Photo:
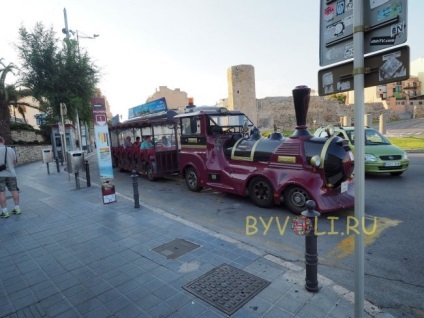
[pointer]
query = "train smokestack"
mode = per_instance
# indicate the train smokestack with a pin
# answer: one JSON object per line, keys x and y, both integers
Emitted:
{"x": 301, "y": 95}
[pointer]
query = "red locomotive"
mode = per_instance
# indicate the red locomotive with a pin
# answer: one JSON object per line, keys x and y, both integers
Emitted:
{"x": 221, "y": 150}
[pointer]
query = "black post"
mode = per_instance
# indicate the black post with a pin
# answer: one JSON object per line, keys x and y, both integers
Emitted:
{"x": 48, "y": 168}
{"x": 134, "y": 178}
{"x": 311, "y": 250}
{"x": 57, "y": 164}
{"x": 77, "y": 182}
{"x": 87, "y": 174}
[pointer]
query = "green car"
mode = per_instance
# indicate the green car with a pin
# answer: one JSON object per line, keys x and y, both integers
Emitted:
{"x": 380, "y": 155}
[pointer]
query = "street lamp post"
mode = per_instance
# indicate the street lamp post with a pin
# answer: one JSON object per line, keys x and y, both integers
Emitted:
{"x": 83, "y": 36}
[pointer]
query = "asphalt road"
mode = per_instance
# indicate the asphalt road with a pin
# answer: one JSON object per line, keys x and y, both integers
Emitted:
{"x": 394, "y": 254}
{"x": 404, "y": 128}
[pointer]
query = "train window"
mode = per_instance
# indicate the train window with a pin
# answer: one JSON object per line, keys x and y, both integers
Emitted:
{"x": 191, "y": 125}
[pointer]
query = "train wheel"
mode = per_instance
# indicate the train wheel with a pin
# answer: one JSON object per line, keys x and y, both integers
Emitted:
{"x": 261, "y": 192}
{"x": 295, "y": 199}
{"x": 150, "y": 173}
{"x": 192, "y": 180}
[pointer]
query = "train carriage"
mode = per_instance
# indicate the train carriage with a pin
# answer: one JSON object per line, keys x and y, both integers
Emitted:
{"x": 156, "y": 162}
{"x": 212, "y": 147}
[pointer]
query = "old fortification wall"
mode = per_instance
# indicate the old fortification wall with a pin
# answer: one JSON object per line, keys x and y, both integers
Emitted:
{"x": 280, "y": 111}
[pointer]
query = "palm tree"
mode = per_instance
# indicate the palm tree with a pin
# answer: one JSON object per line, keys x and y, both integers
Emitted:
{"x": 5, "y": 101}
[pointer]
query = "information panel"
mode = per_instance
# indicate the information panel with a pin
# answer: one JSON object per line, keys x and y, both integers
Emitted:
{"x": 381, "y": 68}
{"x": 104, "y": 155}
{"x": 384, "y": 27}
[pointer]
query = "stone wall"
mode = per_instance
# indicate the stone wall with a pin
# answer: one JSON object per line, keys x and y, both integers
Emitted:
{"x": 26, "y": 154}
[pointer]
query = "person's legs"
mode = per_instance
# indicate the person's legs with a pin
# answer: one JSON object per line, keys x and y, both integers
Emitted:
{"x": 3, "y": 200}
{"x": 3, "y": 212}
{"x": 12, "y": 185}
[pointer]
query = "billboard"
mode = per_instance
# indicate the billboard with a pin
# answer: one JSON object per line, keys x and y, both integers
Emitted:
{"x": 150, "y": 109}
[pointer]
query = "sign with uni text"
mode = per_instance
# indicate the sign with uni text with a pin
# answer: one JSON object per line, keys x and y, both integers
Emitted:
{"x": 104, "y": 155}
{"x": 384, "y": 27}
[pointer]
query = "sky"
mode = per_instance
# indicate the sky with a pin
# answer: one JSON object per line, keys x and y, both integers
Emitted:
{"x": 189, "y": 44}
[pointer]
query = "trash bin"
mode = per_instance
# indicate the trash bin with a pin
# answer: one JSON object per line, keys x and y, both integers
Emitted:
{"x": 47, "y": 155}
{"x": 75, "y": 161}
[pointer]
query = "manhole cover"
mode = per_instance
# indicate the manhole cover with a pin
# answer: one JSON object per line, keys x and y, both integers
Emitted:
{"x": 175, "y": 248}
{"x": 227, "y": 288}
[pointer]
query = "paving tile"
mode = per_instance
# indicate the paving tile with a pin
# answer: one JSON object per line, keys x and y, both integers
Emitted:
{"x": 109, "y": 295}
{"x": 58, "y": 308}
{"x": 148, "y": 302}
{"x": 117, "y": 304}
{"x": 161, "y": 310}
{"x": 137, "y": 294}
{"x": 192, "y": 309}
{"x": 88, "y": 306}
{"x": 178, "y": 300}
{"x": 132, "y": 311}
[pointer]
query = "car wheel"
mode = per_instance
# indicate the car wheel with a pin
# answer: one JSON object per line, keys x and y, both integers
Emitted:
{"x": 261, "y": 192}
{"x": 396, "y": 173}
{"x": 150, "y": 173}
{"x": 192, "y": 180}
{"x": 295, "y": 199}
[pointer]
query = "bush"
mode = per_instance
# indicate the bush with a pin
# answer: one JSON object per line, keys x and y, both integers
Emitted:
{"x": 20, "y": 126}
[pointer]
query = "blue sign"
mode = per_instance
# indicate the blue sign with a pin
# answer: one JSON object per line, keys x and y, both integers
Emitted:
{"x": 155, "y": 107}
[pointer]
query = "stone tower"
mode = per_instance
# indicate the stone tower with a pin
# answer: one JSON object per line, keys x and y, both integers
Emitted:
{"x": 241, "y": 90}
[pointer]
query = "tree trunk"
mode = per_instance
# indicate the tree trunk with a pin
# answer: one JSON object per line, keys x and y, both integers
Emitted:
{"x": 5, "y": 124}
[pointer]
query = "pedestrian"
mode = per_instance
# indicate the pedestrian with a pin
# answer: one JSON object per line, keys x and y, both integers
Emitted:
{"x": 127, "y": 142}
{"x": 137, "y": 142}
{"x": 8, "y": 179}
{"x": 147, "y": 143}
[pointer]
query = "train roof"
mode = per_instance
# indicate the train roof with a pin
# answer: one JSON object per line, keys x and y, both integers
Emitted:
{"x": 145, "y": 122}
{"x": 212, "y": 110}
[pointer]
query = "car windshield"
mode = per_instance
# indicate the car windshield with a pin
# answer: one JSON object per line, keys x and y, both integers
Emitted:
{"x": 372, "y": 137}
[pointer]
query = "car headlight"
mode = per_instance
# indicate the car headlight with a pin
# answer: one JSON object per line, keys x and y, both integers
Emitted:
{"x": 370, "y": 157}
{"x": 405, "y": 155}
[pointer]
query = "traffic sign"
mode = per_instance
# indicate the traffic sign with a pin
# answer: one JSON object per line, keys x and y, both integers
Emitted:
{"x": 384, "y": 27}
{"x": 381, "y": 68}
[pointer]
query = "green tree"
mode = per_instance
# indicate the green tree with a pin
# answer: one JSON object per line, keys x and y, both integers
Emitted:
{"x": 56, "y": 73}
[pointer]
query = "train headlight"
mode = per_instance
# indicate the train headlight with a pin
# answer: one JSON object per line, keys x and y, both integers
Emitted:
{"x": 316, "y": 161}
{"x": 370, "y": 157}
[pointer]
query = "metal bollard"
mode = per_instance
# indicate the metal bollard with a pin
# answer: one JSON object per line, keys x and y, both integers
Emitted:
{"x": 48, "y": 168}
{"x": 311, "y": 250}
{"x": 77, "y": 181}
{"x": 57, "y": 164}
{"x": 134, "y": 178}
{"x": 87, "y": 174}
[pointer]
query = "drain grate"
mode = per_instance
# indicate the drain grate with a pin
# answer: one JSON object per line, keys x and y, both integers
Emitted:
{"x": 175, "y": 248}
{"x": 227, "y": 288}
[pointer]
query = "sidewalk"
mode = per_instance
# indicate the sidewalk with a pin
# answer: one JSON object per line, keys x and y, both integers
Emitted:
{"x": 68, "y": 255}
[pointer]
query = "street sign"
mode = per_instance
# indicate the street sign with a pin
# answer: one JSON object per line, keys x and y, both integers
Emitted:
{"x": 384, "y": 27}
{"x": 381, "y": 68}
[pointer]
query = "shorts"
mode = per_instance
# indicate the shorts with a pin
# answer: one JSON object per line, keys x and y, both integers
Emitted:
{"x": 10, "y": 182}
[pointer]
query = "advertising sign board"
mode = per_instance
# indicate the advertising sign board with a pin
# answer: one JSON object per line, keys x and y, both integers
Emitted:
{"x": 381, "y": 68}
{"x": 104, "y": 155}
{"x": 153, "y": 108}
{"x": 384, "y": 27}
